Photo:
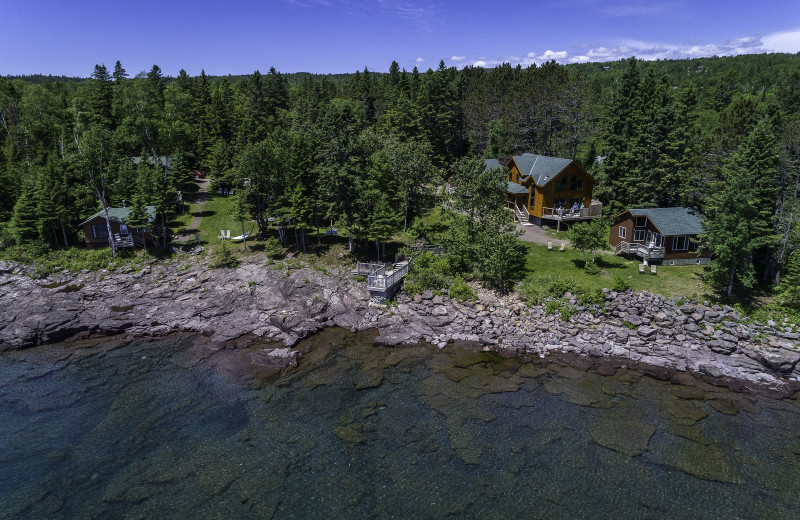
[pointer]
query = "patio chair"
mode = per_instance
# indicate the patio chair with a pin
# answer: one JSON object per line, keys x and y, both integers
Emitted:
{"x": 653, "y": 269}
{"x": 549, "y": 246}
{"x": 641, "y": 268}
{"x": 563, "y": 247}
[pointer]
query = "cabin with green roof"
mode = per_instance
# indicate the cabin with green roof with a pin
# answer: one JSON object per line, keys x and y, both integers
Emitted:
{"x": 95, "y": 231}
{"x": 667, "y": 235}
{"x": 542, "y": 188}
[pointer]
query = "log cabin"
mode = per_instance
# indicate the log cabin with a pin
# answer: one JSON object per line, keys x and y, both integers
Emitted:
{"x": 95, "y": 231}
{"x": 665, "y": 235}
{"x": 550, "y": 189}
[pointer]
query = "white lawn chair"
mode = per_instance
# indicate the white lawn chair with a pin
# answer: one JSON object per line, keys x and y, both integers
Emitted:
{"x": 563, "y": 247}
{"x": 549, "y": 246}
{"x": 231, "y": 191}
{"x": 228, "y": 234}
{"x": 221, "y": 234}
{"x": 219, "y": 191}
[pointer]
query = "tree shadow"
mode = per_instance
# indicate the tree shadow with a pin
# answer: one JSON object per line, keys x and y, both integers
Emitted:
{"x": 204, "y": 213}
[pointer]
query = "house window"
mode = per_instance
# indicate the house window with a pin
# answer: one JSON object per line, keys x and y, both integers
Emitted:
{"x": 680, "y": 243}
{"x": 559, "y": 203}
{"x": 623, "y": 233}
{"x": 99, "y": 231}
{"x": 561, "y": 184}
{"x": 641, "y": 222}
{"x": 639, "y": 235}
{"x": 575, "y": 184}
{"x": 658, "y": 240}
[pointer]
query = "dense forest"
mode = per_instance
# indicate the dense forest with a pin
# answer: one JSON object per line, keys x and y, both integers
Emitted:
{"x": 368, "y": 150}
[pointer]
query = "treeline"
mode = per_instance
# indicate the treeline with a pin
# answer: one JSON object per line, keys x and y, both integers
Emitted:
{"x": 367, "y": 150}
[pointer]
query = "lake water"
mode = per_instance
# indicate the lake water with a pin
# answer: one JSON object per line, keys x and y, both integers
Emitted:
{"x": 157, "y": 429}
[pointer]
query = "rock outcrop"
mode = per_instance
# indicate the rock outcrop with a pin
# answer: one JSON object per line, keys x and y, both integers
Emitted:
{"x": 253, "y": 302}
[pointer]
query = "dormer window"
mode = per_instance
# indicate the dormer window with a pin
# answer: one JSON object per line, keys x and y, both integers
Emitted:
{"x": 576, "y": 184}
{"x": 641, "y": 222}
{"x": 561, "y": 184}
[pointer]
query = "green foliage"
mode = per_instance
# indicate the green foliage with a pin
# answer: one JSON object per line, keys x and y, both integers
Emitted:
{"x": 273, "y": 248}
{"x": 591, "y": 296}
{"x": 429, "y": 273}
{"x": 460, "y": 290}
{"x": 620, "y": 283}
{"x": 591, "y": 268}
{"x": 588, "y": 236}
{"x": 223, "y": 257}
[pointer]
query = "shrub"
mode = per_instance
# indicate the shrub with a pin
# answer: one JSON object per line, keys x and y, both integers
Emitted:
{"x": 224, "y": 257}
{"x": 591, "y": 268}
{"x": 620, "y": 283}
{"x": 273, "y": 248}
{"x": 532, "y": 291}
{"x": 429, "y": 273}
{"x": 591, "y": 297}
{"x": 459, "y": 290}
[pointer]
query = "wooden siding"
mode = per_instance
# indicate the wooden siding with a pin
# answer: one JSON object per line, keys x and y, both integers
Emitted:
{"x": 627, "y": 221}
{"x": 541, "y": 197}
{"x": 98, "y": 243}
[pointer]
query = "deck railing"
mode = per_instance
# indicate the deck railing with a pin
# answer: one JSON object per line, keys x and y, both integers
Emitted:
{"x": 640, "y": 250}
{"x": 368, "y": 268}
{"x": 593, "y": 211}
{"x": 382, "y": 281}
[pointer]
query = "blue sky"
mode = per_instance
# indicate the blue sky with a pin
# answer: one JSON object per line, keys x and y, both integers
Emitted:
{"x": 329, "y": 36}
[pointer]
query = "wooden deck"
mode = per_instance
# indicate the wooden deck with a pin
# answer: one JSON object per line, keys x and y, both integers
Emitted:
{"x": 383, "y": 280}
{"x": 642, "y": 251}
{"x": 567, "y": 215}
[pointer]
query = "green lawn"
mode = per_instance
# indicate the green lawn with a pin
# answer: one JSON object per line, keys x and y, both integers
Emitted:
{"x": 217, "y": 213}
{"x": 670, "y": 281}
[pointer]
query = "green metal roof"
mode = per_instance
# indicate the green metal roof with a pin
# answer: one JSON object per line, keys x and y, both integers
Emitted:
{"x": 490, "y": 164}
{"x": 673, "y": 221}
{"x": 165, "y": 161}
{"x": 120, "y": 214}
{"x": 513, "y": 187}
{"x": 542, "y": 168}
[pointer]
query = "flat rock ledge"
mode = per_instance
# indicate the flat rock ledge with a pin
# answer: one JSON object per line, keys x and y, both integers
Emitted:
{"x": 660, "y": 336}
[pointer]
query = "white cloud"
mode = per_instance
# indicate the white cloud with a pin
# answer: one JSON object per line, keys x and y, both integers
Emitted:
{"x": 553, "y": 55}
{"x": 420, "y": 60}
{"x": 786, "y": 41}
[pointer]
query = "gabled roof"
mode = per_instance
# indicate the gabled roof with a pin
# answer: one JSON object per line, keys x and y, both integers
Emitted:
{"x": 120, "y": 214}
{"x": 513, "y": 187}
{"x": 672, "y": 221}
{"x": 490, "y": 164}
{"x": 543, "y": 169}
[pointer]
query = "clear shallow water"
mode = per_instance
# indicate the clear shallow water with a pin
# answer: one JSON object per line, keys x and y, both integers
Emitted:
{"x": 157, "y": 429}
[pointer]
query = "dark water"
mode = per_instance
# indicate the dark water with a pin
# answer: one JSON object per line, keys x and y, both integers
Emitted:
{"x": 150, "y": 429}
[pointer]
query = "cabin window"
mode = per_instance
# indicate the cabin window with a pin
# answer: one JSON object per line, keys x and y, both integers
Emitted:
{"x": 658, "y": 240}
{"x": 639, "y": 235}
{"x": 576, "y": 184}
{"x": 99, "y": 231}
{"x": 641, "y": 222}
{"x": 680, "y": 243}
{"x": 561, "y": 184}
{"x": 623, "y": 233}
{"x": 559, "y": 203}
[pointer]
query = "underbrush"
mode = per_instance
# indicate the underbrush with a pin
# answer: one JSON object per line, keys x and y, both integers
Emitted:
{"x": 45, "y": 261}
{"x": 434, "y": 273}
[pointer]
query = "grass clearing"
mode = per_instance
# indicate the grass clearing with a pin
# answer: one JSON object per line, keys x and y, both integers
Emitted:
{"x": 685, "y": 281}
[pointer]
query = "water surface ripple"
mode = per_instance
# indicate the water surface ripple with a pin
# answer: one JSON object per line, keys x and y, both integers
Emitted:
{"x": 161, "y": 429}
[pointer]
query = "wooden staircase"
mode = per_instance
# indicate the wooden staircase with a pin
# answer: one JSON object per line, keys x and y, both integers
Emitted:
{"x": 522, "y": 215}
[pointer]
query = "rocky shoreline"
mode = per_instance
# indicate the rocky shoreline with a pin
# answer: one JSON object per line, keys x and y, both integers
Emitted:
{"x": 261, "y": 305}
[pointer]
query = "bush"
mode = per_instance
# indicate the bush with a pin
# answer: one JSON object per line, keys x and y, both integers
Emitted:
{"x": 535, "y": 290}
{"x": 591, "y": 268}
{"x": 459, "y": 290}
{"x": 532, "y": 291}
{"x": 429, "y": 273}
{"x": 273, "y": 248}
{"x": 224, "y": 257}
{"x": 620, "y": 283}
{"x": 592, "y": 297}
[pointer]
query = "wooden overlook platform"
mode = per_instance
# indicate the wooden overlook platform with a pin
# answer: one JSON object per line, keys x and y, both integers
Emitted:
{"x": 383, "y": 280}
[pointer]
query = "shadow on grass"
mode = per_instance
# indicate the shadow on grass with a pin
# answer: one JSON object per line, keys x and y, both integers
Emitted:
{"x": 206, "y": 213}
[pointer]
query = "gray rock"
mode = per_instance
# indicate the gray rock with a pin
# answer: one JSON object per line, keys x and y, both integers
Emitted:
{"x": 779, "y": 360}
{"x": 646, "y": 331}
{"x": 722, "y": 347}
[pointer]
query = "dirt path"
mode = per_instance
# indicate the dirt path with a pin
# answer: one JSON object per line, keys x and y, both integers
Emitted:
{"x": 202, "y": 195}
{"x": 538, "y": 235}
